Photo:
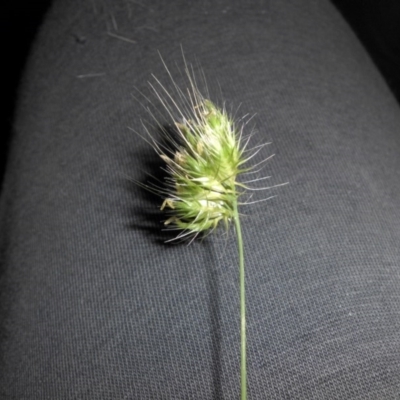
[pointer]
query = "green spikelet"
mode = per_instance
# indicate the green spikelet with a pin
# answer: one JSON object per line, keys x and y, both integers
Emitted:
{"x": 203, "y": 170}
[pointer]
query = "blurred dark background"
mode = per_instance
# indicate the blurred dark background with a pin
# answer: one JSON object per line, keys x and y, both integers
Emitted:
{"x": 377, "y": 24}
{"x": 19, "y": 22}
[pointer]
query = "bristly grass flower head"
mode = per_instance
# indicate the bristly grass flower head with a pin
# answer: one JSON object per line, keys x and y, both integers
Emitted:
{"x": 204, "y": 156}
{"x": 204, "y": 159}
{"x": 203, "y": 170}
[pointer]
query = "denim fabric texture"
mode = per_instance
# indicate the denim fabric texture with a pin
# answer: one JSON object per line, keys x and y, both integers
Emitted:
{"x": 94, "y": 305}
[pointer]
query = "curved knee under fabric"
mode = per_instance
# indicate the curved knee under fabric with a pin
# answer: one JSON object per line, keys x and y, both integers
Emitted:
{"x": 93, "y": 305}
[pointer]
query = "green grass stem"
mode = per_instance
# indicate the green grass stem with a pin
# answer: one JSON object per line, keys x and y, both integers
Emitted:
{"x": 243, "y": 368}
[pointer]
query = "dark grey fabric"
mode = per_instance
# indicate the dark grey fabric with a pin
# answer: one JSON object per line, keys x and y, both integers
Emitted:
{"x": 94, "y": 306}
